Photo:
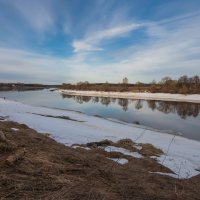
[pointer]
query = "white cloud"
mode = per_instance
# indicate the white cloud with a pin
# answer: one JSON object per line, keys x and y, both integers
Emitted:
{"x": 84, "y": 46}
{"x": 90, "y": 43}
{"x": 172, "y": 49}
{"x": 30, "y": 66}
{"x": 175, "y": 51}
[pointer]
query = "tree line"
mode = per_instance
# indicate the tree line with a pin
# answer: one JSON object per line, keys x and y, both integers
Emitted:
{"x": 24, "y": 86}
{"x": 183, "y": 85}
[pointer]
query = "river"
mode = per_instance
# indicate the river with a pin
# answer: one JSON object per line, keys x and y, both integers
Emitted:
{"x": 173, "y": 117}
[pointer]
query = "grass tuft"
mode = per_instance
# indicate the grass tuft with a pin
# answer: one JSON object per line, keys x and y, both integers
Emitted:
{"x": 5, "y": 148}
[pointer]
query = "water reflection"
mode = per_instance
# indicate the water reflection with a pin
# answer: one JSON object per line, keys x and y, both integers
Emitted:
{"x": 183, "y": 109}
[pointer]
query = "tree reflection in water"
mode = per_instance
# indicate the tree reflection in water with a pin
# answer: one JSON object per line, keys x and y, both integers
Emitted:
{"x": 105, "y": 101}
{"x": 123, "y": 103}
{"x": 183, "y": 109}
{"x": 138, "y": 104}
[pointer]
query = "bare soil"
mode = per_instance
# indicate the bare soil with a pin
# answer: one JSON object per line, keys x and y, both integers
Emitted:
{"x": 34, "y": 166}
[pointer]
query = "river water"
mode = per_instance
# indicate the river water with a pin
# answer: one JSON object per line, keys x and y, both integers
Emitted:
{"x": 174, "y": 117}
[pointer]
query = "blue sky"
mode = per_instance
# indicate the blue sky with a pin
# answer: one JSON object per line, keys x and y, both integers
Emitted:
{"x": 56, "y": 41}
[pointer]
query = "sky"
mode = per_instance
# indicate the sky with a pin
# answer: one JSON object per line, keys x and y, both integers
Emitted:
{"x": 67, "y": 41}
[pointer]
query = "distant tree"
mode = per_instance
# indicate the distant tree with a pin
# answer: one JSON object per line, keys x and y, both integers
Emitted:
{"x": 195, "y": 80}
{"x": 125, "y": 80}
{"x": 138, "y": 83}
{"x": 183, "y": 79}
{"x": 166, "y": 80}
{"x": 153, "y": 82}
{"x": 81, "y": 83}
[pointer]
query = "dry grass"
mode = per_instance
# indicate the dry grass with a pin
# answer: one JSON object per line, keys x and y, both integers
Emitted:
{"x": 5, "y": 148}
{"x": 149, "y": 150}
{"x": 48, "y": 170}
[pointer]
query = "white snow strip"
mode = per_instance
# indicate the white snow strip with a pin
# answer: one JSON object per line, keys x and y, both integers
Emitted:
{"x": 121, "y": 161}
{"x": 15, "y": 129}
{"x": 76, "y": 146}
{"x": 195, "y": 98}
{"x": 123, "y": 151}
{"x": 165, "y": 174}
{"x": 138, "y": 147}
{"x": 181, "y": 155}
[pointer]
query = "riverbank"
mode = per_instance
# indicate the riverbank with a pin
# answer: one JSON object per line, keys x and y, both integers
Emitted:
{"x": 193, "y": 98}
{"x": 34, "y": 166}
{"x": 24, "y": 87}
{"x": 180, "y": 155}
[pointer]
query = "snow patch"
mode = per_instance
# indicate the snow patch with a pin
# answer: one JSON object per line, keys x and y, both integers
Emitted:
{"x": 15, "y": 129}
{"x": 181, "y": 155}
{"x": 123, "y": 151}
{"x": 181, "y": 167}
{"x": 138, "y": 147}
{"x": 121, "y": 161}
{"x": 165, "y": 174}
{"x": 76, "y": 146}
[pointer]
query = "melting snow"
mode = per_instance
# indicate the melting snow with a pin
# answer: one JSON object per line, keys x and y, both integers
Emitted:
{"x": 76, "y": 146}
{"x": 123, "y": 151}
{"x": 130, "y": 95}
{"x": 121, "y": 161}
{"x": 15, "y": 129}
{"x": 181, "y": 155}
{"x": 138, "y": 147}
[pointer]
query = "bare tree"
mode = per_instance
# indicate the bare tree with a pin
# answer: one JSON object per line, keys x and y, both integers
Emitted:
{"x": 166, "y": 80}
{"x": 196, "y": 80}
{"x": 183, "y": 79}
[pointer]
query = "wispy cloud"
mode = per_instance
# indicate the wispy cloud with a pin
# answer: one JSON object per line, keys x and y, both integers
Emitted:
{"x": 90, "y": 43}
{"x": 173, "y": 52}
{"x": 105, "y": 41}
{"x": 38, "y": 14}
{"x": 31, "y": 67}
{"x": 173, "y": 49}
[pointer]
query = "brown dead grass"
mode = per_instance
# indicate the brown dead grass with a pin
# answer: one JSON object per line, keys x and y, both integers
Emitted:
{"x": 149, "y": 150}
{"x": 48, "y": 170}
{"x": 4, "y": 148}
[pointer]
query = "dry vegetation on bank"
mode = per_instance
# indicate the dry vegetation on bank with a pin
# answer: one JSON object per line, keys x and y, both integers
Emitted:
{"x": 23, "y": 86}
{"x": 184, "y": 85}
{"x": 34, "y": 166}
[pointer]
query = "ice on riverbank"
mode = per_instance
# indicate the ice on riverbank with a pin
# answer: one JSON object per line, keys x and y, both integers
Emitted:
{"x": 181, "y": 154}
{"x": 195, "y": 98}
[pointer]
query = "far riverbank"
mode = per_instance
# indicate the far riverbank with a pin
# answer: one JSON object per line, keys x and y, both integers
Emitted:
{"x": 193, "y": 98}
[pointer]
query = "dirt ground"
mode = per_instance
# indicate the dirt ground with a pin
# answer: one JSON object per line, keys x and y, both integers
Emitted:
{"x": 34, "y": 166}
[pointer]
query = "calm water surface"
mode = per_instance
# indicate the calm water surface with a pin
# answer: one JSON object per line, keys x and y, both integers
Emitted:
{"x": 175, "y": 117}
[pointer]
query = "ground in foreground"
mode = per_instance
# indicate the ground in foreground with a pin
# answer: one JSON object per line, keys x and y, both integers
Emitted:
{"x": 34, "y": 166}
